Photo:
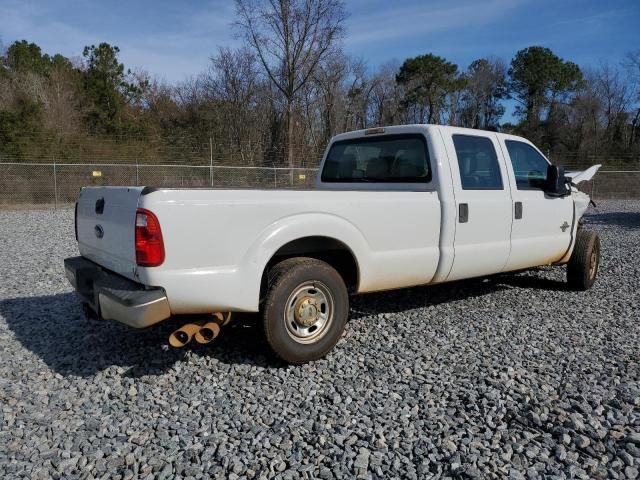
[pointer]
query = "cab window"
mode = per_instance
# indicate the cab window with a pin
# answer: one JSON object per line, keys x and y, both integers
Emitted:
{"x": 390, "y": 158}
{"x": 478, "y": 163}
{"x": 529, "y": 167}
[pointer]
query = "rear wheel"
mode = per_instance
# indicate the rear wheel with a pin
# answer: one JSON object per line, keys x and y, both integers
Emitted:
{"x": 305, "y": 309}
{"x": 582, "y": 268}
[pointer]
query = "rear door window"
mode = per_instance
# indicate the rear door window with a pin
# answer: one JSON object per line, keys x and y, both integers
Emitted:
{"x": 529, "y": 167}
{"x": 390, "y": 158}
{"x": 478, "y": 163}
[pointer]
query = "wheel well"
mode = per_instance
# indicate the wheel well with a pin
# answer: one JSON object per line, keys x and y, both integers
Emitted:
{"x": 326, "y": 249}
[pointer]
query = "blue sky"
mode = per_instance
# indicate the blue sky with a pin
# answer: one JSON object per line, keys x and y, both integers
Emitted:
{"x": 173, "y": 40}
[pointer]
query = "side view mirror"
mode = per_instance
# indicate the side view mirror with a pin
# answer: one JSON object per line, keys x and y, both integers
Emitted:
{"x": 556, "y": 184}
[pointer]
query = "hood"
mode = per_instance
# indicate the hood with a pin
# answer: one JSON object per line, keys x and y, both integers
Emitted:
{"x": 584, "y": 176}
{"x": 580, "y": 199}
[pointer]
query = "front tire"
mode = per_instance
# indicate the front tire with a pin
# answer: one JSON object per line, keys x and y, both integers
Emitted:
{"x": 582, "y": 268}
{"x": 305, "y": 309}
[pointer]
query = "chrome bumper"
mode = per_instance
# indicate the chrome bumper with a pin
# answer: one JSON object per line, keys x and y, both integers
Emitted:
{"x": 112, "y": 297}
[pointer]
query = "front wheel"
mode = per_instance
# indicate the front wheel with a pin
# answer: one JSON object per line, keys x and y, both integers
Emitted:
{"x": 305, "y": 309}
{"x": 585, "y": 259}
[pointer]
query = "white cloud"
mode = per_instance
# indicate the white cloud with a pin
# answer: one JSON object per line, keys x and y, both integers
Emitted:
{"x": 424, "y": 18}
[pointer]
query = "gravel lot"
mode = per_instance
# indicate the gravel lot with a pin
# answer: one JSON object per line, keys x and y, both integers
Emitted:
{"x": 512, "y": 376}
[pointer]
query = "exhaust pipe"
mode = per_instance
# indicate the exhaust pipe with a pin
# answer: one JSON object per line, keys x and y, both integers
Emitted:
{"x": 202, "y": 332}
{"x": 210, "y": 330}
{"x": 183, "y": 335}
{"x": 207, "y": 333}
{"x": 226, "y": 317}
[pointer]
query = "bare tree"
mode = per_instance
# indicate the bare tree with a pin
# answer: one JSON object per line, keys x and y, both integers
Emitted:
{"x": 356, "y": 96}
{"x": 322, "y": 100}
{"x": 385, "y": 96}
{"x": 486, "y": 86}
{"x": 632, "y": 64}
{"x": 583, "y": 132}
{"x": 232, "y": 83}
{"x": 62, "y": 102}
{"x": 290, "y": 38}
{"x": 233, "y": 76}
{"x": 330, "y": 79}
{"x": 614, "y": 97}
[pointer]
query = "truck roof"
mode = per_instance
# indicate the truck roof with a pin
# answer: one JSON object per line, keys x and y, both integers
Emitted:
{"x": 411, "y": 129}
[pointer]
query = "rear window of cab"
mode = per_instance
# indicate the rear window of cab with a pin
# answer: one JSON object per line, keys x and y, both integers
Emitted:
{"x": 383, "y": 159}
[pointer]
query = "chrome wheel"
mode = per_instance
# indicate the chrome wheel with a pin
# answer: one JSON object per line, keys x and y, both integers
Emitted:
{"x": 309, "y": 312}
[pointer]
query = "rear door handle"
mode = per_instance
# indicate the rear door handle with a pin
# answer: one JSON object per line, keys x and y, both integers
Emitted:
{"x": 463, "y": 212}
{"x": 518, "y": 210}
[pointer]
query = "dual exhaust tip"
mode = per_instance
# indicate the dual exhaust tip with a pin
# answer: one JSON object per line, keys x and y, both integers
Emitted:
{"x": 201, "y": 332}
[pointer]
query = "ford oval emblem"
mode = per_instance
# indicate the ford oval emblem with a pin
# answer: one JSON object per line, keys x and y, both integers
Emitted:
{"x": 99, "y": 231}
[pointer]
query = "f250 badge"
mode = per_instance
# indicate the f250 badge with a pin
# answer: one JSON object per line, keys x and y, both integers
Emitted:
{"x": 564, "y": 226}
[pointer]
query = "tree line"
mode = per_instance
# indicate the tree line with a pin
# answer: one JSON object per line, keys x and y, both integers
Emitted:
{"x": 289, "y": 87}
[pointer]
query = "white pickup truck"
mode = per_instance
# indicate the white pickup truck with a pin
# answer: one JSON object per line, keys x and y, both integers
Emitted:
{"x": 393, "y": 207}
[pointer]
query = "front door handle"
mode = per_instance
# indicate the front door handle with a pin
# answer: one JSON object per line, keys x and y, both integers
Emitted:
{"x": 463, "y": 212}
{"x": 518, "y": 210}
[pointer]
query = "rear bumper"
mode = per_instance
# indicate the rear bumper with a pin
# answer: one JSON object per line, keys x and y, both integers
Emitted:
{"x": 113, "y": 297}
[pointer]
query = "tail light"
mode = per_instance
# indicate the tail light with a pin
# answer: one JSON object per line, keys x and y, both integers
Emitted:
{"x": 149, "y": 243}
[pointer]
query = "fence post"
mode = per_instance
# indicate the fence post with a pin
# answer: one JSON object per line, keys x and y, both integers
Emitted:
{"x": 137, "y": 175}
{"x": 55, "y": 185}
{"x": 211, "y": 160}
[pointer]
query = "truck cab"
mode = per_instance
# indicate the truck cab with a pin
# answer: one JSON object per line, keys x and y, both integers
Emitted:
{"x": 497, "y": 214}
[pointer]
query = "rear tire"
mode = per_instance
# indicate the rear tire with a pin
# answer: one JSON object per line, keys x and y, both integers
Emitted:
{"x": 305, "y": 309}
{"x": 582, "y": 268}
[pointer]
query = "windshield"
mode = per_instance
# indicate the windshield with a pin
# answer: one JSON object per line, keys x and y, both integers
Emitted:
{"x": 391, "y": 158}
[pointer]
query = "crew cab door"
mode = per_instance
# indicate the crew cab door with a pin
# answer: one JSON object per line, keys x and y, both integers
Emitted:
{"x": 542, "y": 225}
{"x": 483, "y": 203}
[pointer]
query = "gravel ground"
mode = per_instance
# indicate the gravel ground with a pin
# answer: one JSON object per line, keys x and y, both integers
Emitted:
{"x": 512, "y": 376}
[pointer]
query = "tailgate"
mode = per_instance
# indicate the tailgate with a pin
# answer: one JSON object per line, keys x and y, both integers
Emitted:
{"x": 106, "y": 227}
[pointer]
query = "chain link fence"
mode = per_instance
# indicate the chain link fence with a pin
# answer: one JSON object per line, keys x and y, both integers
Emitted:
{"x": 56, "y": 184}
{"x": 51, "y": 170}
{"x": 618, "y": 178}
{"x": 42, "y": 180}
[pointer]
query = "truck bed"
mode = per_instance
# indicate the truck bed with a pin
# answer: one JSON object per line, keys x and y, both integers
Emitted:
{"x": 218, "y": 241}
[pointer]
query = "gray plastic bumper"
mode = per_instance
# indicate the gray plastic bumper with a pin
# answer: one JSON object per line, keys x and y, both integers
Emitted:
{"x": 113, "y": 297}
